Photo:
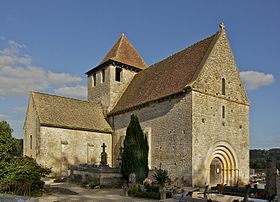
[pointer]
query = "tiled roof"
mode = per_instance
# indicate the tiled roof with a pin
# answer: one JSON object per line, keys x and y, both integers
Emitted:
{"x": 125, "y": 53}
{"x": 166, "y": 77}
{"x": 69, "y": 113}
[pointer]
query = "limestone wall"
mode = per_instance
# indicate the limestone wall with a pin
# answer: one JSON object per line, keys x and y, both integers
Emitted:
{"x": 168, "y": 126}
{"x": 210, "y": 131}
{"x": 109, "y": 92}
{"x": 228, "y": 132}
{"x": 31, "y": 129}
{"x": 61, "y": 148}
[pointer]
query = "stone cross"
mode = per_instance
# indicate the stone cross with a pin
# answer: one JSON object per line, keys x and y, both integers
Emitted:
{"x": 103, "y": 161}
{"x": 222, "y": 25}
{"x": 103, "y": 147}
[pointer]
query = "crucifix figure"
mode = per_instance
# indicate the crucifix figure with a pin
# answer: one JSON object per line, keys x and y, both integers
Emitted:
{"x": 103, "y": 161}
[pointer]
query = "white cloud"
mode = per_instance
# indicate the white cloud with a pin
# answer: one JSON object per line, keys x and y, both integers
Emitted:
{"x": 77, "y": 91}
{"x": 254, "y": 80}
{"x": 61, "y": 79}
{"x": 18, "y": 76}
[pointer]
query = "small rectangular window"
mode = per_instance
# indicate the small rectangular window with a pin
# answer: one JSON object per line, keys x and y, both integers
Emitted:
{"x": 103, "y": 75}
{"x": 30, "y": 141}
{"x": 118, "y": 74}
{"x": 223, "y": 112}
{"x": 94, "y": 79}
{"x": 223, "y": 86}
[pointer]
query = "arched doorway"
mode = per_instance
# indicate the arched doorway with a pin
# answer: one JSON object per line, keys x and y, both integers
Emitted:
{"x": 222, "y": 165}
{"x": 216, "y": 172}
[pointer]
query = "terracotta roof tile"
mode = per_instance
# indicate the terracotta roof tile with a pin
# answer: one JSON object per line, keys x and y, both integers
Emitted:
{"x": 164, "y": 78}
{"x": 70, "y": 113}
{"x": 125, "y": 53}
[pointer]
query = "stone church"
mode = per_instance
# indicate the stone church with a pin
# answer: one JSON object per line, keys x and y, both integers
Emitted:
{"x": 191, "y": 105}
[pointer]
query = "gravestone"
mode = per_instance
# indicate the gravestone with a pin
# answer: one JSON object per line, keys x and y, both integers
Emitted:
{"x": 120, "y": 157}
{"x": 103, "y": 162}
{"x": 271, "y": 173}
{"x": 132, "y": 178}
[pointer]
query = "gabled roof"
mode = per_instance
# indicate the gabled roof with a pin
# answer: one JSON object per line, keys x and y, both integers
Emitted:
{"x": 165, "y": 78}
{"x": 62, "y": 112}
{"x": 125, "y": 53}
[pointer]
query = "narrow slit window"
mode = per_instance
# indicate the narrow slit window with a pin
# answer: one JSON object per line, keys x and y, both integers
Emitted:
{"x": 103, "y": 75}
{"x": 118, "y": 74}
{"x": 223, "y": 86}
{"x": 223, "y": 112}
{"x": 30, "y": 141}
{"x": 94, "y": 79}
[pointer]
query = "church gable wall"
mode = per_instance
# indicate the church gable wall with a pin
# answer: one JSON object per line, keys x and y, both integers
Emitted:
{"x": 220, "y": 116}
{"x": 220, "y": 65}
{"x": 61, "y": 148}
{"x": 168, "y": 127}
{"x": 31, "y": 129}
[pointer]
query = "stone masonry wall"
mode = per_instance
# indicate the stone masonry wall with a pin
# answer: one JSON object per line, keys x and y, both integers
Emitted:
{"x": 31, "y": 128}
{"x": 61, "y": 148}
{"x": 168, "y": 126}
{"x": 209, "y": 126}
{"x": 109, "y": 92}
{"x": 209, "y": 129}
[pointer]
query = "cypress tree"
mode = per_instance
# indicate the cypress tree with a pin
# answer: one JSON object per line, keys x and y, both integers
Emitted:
{"x": 135, "y": 153}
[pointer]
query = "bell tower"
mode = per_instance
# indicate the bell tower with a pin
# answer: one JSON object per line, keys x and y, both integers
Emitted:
{"x": 108, "y": 80}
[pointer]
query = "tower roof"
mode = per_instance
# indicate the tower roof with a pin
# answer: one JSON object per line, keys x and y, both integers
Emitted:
{"x": 125, "y": 53}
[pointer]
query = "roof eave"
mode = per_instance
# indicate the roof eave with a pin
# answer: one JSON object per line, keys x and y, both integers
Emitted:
{"x": 109, "y": 131}
{"x": 117, "y": 63}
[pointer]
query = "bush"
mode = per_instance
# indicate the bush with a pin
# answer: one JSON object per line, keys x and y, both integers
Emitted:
{"x": 25, "y": 170}
{"x": 151, "y": 188}
{"x": 161, "y": 176}
{"x": 135, "y": 188}
{"x": 18, "y": 175}
{"x": 91, "y": 183}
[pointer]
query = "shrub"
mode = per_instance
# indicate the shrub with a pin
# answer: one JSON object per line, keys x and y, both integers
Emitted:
{"x": 18, "y": 175}
{"x": 161, "y": 176}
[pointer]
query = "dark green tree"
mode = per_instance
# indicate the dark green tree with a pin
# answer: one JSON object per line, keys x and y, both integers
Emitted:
{"x": 14, "y": 169}
{"x": 135, "y": 153}
{"x": 8, "y": 145}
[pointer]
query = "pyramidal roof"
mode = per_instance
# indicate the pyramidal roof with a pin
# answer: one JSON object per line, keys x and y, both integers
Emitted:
{"x": 125, "y": 53}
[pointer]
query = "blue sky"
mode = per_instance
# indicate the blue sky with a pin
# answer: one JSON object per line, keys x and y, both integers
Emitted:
{"x": 48, "y": 46}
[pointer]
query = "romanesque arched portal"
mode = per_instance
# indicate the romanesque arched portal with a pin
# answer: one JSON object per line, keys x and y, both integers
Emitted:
{"x": 222, "y": 165}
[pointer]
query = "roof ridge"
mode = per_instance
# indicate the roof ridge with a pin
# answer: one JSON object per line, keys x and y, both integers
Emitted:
{"x": 120, "y": 43}
{"x": 70, "y": 98}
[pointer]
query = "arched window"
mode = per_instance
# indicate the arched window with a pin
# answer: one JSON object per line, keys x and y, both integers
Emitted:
{"x": 223, "y": 86}
{"x": 223, "y": 112}
{"x": 103, "y": 75}
{"x": 94, "y": 79}
{"x": 118, "y": 74}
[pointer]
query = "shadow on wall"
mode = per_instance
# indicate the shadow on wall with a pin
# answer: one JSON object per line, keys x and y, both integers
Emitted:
{"x": 154, "y": 110}
{"x": 60, "y": 166}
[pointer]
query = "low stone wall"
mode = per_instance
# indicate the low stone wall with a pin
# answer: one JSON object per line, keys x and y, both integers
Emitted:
{"x": 107, "y": 176}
